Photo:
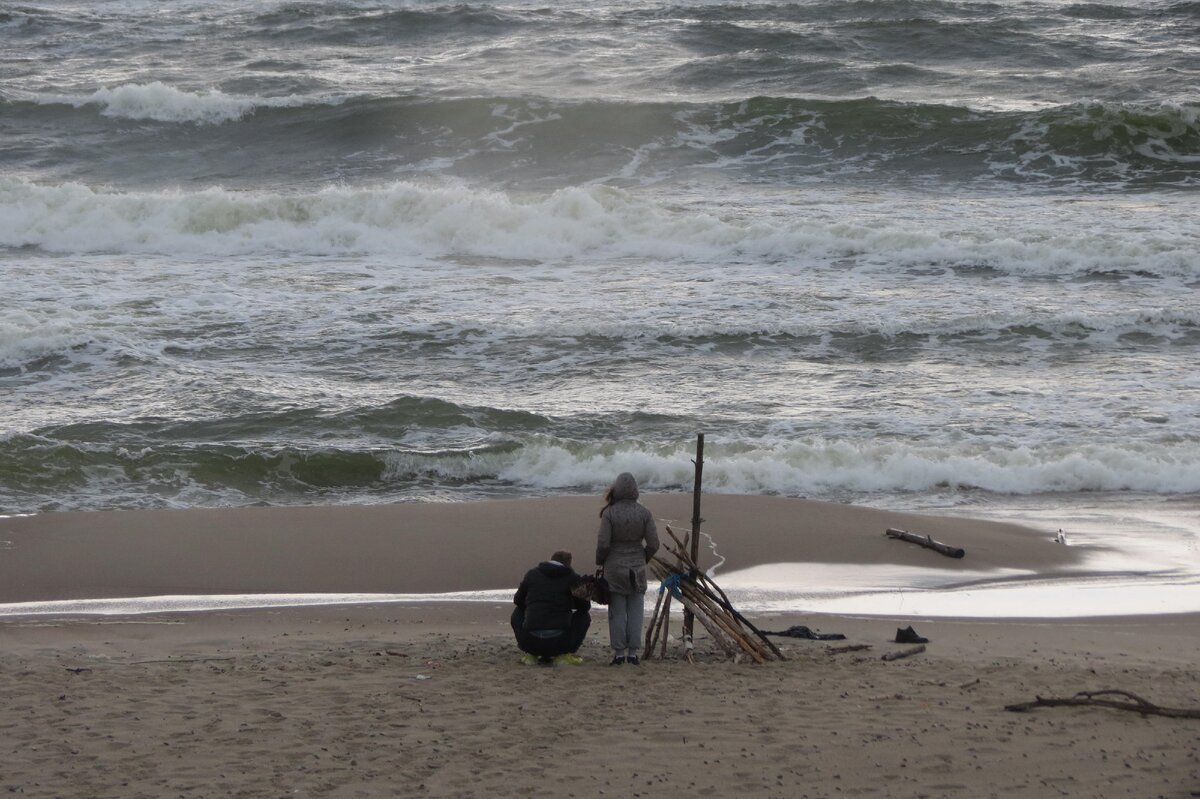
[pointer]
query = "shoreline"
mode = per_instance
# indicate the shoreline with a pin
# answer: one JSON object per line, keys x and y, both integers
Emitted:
{"x": 774, "y": 554}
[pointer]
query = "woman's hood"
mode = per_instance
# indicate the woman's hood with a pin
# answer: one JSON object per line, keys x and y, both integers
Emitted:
{"x": 624, "y": 487}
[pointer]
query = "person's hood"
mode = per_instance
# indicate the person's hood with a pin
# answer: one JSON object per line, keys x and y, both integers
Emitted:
{"x": 552, "y": 569}
{"x": 624, "y": 487}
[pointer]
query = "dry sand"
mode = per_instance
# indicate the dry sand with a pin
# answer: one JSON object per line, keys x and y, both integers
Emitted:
{"x": 426, "y": 699}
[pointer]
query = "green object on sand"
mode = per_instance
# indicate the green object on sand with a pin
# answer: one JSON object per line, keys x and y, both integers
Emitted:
{"x": 562, "y": 660}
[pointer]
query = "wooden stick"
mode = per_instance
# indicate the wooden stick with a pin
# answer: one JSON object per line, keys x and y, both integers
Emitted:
{"x": 904, "y": 653}
{"x": 659, "y": 625}
{"x": 726, "y": 617}
{"x": 837, "y": 650}
{"x": 1137, "y": 705}
{"x": 701, "y": 577}
{"x": 746, "y": 622}
{"x": 662, "y": 571}
{"x": 650, "y": 631}
{"x": 665, "y": 633}
{"x": 690, "y": 562}
{"x": 713, "y": 607}
{"x": 729, "y": 617}
{"x": 925, "y": 541}
{"x": 715, "y": 631}
{"x": 726, "y": 623}
{"x": 175, "y": 660}
{"x": 678, "y": 543}
{"x": 688, "y": 622}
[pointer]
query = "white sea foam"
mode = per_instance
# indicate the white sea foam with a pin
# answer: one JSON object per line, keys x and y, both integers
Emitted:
{"x": 820, "y": 467}
{"x": 24, "y": 337}
{"x": 415, "y": 219}
{"x": 162, "y": 103}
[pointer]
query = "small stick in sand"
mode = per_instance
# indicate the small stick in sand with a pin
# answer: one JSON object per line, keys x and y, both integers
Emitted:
{"x": 1096, "y": 698}
{"x": 175, "y": 660}
{"x": 837, "y": 650}
{"x": 904, "y": 653}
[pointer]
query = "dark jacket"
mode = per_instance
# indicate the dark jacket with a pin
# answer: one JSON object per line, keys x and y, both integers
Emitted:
{"x": 545, "y": 594}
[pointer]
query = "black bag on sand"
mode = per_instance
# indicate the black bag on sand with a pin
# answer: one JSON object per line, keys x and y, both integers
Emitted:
{"x": 800, "y": 631}
{"x": 600, "y": 588}
{"x": 594, "y": 588}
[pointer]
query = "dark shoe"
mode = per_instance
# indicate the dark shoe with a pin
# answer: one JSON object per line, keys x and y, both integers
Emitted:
{"x": 633, "y": 660}
{"x": 617, "y": 661}
{"x": 909, "y": 636}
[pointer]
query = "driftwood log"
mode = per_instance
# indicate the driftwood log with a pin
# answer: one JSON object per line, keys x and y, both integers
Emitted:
{"x": 1100, "y": 699}
{"x": 925, "y": 541}
{"x": 904, "y": 653}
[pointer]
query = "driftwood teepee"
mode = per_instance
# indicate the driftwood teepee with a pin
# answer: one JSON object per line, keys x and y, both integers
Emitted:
{"x": 699, "y": 594}
{"x": 702, "y": 599}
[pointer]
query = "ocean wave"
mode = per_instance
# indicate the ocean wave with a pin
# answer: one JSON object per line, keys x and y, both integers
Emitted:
{"x": 454, "y": 220}
{"x": 531, "y": 140}
{"x": 330, "y": 23}
{"x": 400, "y": 219}
{"x": 1105, "y": 137}
{"x": 1119, "y": 144}
{"x": 79, "y": 348}
{"x": 26, "y": 339}
{"x": 822, "y": 467}
{"x": 94, "y": 474}
{"x": 159, "y": 102}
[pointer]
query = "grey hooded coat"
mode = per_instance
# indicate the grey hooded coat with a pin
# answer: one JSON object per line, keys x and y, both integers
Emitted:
{"x": 627, "y": 538}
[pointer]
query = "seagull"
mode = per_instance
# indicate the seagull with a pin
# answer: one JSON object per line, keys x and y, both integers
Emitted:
{"x": 1061, "y": 538}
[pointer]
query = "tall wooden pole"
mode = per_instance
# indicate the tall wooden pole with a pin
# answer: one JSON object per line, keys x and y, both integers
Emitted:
{"x": 688, "y": 618}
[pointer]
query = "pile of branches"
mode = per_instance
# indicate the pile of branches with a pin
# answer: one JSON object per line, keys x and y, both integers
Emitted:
{"x": 683, "y": 582}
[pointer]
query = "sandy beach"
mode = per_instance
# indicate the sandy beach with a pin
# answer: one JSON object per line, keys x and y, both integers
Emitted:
{"x": 430, "y": 699}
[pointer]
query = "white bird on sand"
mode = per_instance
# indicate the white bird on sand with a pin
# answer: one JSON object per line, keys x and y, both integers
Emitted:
{"x": 1061, "y": 538}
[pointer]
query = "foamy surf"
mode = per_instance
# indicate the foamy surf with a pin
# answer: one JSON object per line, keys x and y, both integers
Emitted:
{"x": 160, "y": 102}
{"x": 443, "y": 220}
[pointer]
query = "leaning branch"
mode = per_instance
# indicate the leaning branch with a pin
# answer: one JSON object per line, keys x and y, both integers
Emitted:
{"x": 1131, "y": 702}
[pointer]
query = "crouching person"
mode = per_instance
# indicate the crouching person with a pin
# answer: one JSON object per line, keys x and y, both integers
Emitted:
{"x": 551, "y": 618}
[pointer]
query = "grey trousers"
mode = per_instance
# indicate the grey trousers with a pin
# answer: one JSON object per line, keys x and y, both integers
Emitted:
{"x": 625, "y": 612}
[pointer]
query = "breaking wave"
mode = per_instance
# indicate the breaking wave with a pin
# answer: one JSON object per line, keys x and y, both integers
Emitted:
{"x": 159, "y": 102}
{"x": 522, "y": 139}
{"x": 41, "y": 473}
{"x": 409, "y": 219}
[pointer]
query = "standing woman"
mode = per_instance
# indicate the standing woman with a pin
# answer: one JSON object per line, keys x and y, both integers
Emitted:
{"x": 626, "y": 541}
